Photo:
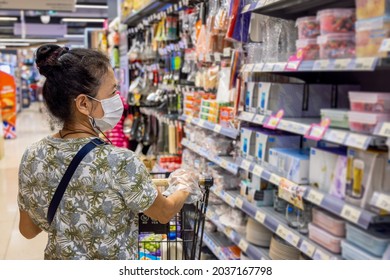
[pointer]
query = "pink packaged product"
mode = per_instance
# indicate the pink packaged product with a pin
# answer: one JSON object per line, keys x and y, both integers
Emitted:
{"x": 308, "y": 27}
{"x": 337, "y": 21}
{"x": 308, "y": 49}
{"x": 329, "y": 222}
{"x": 365, "y": 122}
{"x": 370, "y": 102}
{"x": 327, "y": 240}
{"x": 333, "y": 46}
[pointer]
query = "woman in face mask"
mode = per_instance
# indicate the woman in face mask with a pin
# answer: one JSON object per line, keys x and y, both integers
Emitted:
{"x": 90, "y": 212}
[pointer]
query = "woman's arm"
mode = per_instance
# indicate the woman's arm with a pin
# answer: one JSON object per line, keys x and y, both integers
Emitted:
{"x": 26, "y": 226}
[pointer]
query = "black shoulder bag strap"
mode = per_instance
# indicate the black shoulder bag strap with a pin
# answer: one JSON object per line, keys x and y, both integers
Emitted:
{"x": 55, "y": 201}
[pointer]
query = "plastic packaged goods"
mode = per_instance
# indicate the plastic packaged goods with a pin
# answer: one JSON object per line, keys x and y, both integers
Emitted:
{"x": 281, "y": 250}
{"x": 336, "y": 21}
{"x": 257, "y": 234}
{"x": 369, "y": 36}
{"x": 374, "y": 240}
{"x": 308, "y": 27}
{"x": 333, "y": 46}
{"x": 371, "y": 9}
{"x": 308, "y": 49}
{"x": 365, "y": 122}
{"x": 329, "y": 222}
{"x": 370, "y": 102}
{"x": 248, "y": 141}
{"x": 338, "y": 117}
{"x": 322, "y": 237}
{"x": 351, "y": 252}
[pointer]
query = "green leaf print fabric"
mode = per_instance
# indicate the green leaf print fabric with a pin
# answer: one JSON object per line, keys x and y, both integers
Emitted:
{"x": 98, "y": 214}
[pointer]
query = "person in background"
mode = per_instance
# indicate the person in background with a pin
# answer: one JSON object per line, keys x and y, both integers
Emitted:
{"x": 97, "y": 217}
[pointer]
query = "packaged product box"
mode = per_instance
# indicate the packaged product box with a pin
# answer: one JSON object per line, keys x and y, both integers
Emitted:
{"x": 372, "y": 8}
{"x": 293, "y": 163}
{"x": 370, "y": 34}
{"x": 365, "y": 174}
{"x": 248, "y": 142}
{"x": 267, "y": 139}
{"x": 328, "y": 169}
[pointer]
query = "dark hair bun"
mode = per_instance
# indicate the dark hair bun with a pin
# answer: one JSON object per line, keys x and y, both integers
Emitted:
{"x": 47, "y": 57}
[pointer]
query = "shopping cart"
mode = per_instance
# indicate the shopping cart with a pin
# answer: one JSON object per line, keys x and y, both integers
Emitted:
{"x": 181, "y": 238}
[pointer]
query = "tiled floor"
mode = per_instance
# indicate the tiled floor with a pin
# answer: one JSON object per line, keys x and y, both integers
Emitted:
{"x": 31, "y": 127}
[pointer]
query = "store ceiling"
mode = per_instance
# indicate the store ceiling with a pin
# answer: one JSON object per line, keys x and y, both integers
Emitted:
{"x": 58, "y": 27}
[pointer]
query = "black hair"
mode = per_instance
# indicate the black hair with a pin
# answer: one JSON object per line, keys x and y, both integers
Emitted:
{"x": 69, "y": 73}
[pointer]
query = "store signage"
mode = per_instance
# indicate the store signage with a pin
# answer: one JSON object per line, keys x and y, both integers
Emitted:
{"x": 36, "y": 29}
{"x": 8, "y": 105}
{"x": 45, "y": 5}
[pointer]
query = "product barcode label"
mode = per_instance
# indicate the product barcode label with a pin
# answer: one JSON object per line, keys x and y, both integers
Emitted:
{"x": 350, "y": 213}
{"x": 307, "y": 248}
{"x": 239, "y": 202}
{"x": 260, "y": 217}
{"x": 257, "y": 170}
{"x": 315, "y": 197}
{"x": 243, "y": 245}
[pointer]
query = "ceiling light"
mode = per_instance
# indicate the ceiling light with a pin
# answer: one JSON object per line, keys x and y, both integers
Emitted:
{"x": 11, "y": 40}
{"x": 8, "y": 19}
{"x": 15, "y": 44}
{"x": 83, "y": 20}
{"x": 91, "y": 6}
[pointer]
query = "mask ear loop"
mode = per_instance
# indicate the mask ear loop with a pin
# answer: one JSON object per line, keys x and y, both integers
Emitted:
{"x": 95, "y": 126}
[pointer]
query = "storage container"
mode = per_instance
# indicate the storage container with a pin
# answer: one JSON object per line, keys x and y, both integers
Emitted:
{"x": 333, "y": 46}
{"x": 371, "y": 9}
{"x": 338, "y": 117}
{"x": 329, "y": 222}
{"x": 369, "y": 36}
{"x": 351, "y": 252}
{"x": 307, "y": 49}
{"x": 374, "y": 240}
{"x": 336, "y": 21}
{"x": 308, "y": 27}
{"x": 365, "y": 122}
{"x": 370, "y": 102}
{"x": 327, "y": 240}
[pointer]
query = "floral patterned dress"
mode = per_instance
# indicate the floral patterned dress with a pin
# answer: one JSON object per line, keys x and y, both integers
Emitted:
{"x": 98, "y": 214}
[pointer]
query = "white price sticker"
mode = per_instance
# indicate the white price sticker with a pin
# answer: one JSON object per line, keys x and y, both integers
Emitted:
{"x": 248, "y": 67}
{"x": 268, "y": 67}
{"x": 245, "y": 164}
{"x": 224, "y": 163}
{"x": 201, "y": 122}
{"x": 208, "y": 57}
{"x": 292, "y": 238}
{"x": 228, "y": 231}
{"x": 307, "y": 248}
{"x": 260, "y": 217}
{"x": 315, "y": 197}
{"x": 258, "y": 170}
{"x": 342, "y": 64}
{"x": 226, "y": 52}
{"x": 320, "y": 255}
{"x": 201, "y": 57}
{"x": 385, "y": 46}
{"x": 383, "y": 202}
{"x": 280, "y": 66}
{"x": 351, "y": 214}
{"x": 336, "y": 136}
{"x": 258, "y": 67}
{"x": 239, "y": 202}
{"x": 259, "y": 119}
{"x": 366, "y": 63}
{"x": 317, "y": 132}
{"x": 245, "y": 116}
{"x": 293, "y": 65}
{"x": 227, "y": 199}
{"x": 385, "y": 130}
{"x": 217, "y": 57}
{"x": 243, "y": 245}
{"x": 320, "y": 65}
{"x": 357, "y": 141}
{"x": 282, "y": 231}
{"x": 275, "y": 179}
{"x": 217, "y": 128}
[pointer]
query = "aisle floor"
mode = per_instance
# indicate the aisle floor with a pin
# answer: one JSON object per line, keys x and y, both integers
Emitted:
{"x": 31, "y": 127}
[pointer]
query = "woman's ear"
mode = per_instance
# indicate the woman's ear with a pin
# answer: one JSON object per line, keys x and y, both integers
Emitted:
{"x": 83, "y": 104}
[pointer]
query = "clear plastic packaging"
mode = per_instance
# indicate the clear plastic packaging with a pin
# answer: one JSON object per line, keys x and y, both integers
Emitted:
{"x": 370, "y": 102}
{"x": 371, "y": 9}
{"x": 369, "y": 36}
{"x": 308, "y": 27}
{"x": 336, "y": 21}
{"x": 308, "y": 49}
{"x": 330, "y": 242}
{"x": 366, "y": 122}
{"x": 338, "y": 117}
{"x": 352, "y": 252}
{"x": 333, "y": 46}
{"x": 328, "y": 222}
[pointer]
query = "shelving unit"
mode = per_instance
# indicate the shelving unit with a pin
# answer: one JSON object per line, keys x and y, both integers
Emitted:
{"x": 214, "y": 243}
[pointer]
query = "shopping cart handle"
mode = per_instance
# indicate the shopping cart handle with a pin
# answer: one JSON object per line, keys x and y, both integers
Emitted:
{"x": 160, "y": 182}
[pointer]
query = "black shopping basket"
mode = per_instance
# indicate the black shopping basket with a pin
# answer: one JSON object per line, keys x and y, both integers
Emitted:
{"x": 181, "y": 238}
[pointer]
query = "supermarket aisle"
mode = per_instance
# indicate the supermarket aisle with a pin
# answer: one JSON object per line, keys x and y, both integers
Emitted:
{"x": 31, "y": 126}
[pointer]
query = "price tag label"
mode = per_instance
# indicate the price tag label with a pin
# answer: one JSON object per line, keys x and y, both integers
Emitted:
{"x": 243, "y": 245}
{"x": 248, "y": 68}
{"x": 201, "y": 122}
{"x": 258, "y": 170}
{"x": 228, "y": 231}
{"x": 281, "y": 231}
{"x": 350, "y": 213}
{"x": 209, "y": 215}
{"x": 189, "y": 119}
{"x": 217, "y": 128}
{"x": 239, "y": 202}
{"x": 315, "y": 197}
{"x": 258, "y": 67}
{"x": 280, "y": 66}
{"x": 245, "y": 164}
{"x": 208, "y": 57}
{"x": 383, "y": 202}
{"x": 336, "y": 136}
{"x": 228, "y": 199}
{"x": 268, "y": 67}
{"x": 275, "y": 179}
{"x": 292, "y": 238}
{"x": 259, "y": 119}
{"x": 224, "y": 163}
{"x": 316, "y": 132}
{"x": 293, "y": 65}
{"x": 357, "y": 141}
{"x": 321, "y": 255}
{"x": 273, "y": 121}
{"x": 217, "y": 57}
{"x": 260, "y": 217}
{"x": 366, "y": 63}
{"x": 321, "y": 65}
{"x": 385, "y": 130}
{"x": 385, "y": 46}
{"x": 201, "y": 57}
{"x": 342, "y": 64}
{"x": 226, "y": 52}
{"x": 307, "y": 248}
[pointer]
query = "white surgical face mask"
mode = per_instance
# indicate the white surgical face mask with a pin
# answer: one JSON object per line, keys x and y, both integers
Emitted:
{"x": 113, "y": 111}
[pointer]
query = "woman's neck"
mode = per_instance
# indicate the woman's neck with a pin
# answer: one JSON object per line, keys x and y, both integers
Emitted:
{"x": 76, "y": 130}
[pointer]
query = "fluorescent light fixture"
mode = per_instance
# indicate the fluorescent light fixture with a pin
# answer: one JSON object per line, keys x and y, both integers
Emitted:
{"x": 16, "y": 40}
{"x": 105, "y": 7}
{"x": 73, "y": 36}
{"x": 9, "y": 44}
{"x": 83, "y": 20}
{"x": 8, "y": 19}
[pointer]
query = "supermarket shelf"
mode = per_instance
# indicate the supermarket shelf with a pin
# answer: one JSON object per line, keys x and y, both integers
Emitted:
{"x": 229, "y": 132}
{"x": 254, "y": 252}
{"x": 210, "y": 239}
{"x": 225, "y": 162}
{"x": 302, "y": 125}
{"x": 276, "y": 222}
{"x": 381, "y": 201}
{"x": 353, "y": 214}
{"x": 291, "y": 9}
{"x": 227, "y": 196}
{"x": 152, "y": 8}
